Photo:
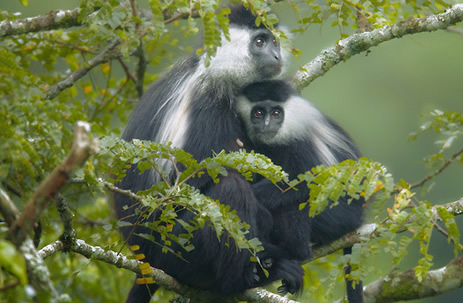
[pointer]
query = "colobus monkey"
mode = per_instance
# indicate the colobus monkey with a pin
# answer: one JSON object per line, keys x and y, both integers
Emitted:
{"x": 191, "y": 106}
{"x": 297, "y": 136}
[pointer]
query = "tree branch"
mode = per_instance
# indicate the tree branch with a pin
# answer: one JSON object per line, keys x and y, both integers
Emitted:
{"x": 139, "y": 53}
{"x": 69, "y": 234}
{"x": 366, "y": 231}
{"x": 369, "y": 231}
{"x": 22, "y": 224}
{"x": 438, "y": 171}
{"x": 37, "y": 271}
{"x": 375, "y": 289}
{"x": 360, "y": 42}
{"x": 82, "y": 147}
{"x": 109, "y": 53}
{"x": 52, "y": 20}
{"x": 60, "y": 19}
{"x": 398, "y": 286}
{"x": 161, "y": 278}
{"x": 7, "y": 208}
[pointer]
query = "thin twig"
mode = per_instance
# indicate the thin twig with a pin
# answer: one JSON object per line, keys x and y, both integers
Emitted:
{"x": 139, "y": 53}
{"x": 9, "y": 285}
{"x": 124, "y": 192}
{"x": 126, "y": 70}
{"x": 7, "y": 208}
{"x": 117, "y": 94}
{"x": 369, "y": 231}
{"x": 176, "y": 17}
{"x": 109, "y": 53}
{"x": 67, "y": 45}
{"x": 438, "y": 171}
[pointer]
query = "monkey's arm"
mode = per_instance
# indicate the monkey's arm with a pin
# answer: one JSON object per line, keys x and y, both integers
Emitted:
{"x": 273, "y": 198}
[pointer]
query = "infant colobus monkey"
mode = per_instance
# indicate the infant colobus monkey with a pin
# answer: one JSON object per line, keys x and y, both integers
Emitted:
{"x": 191, "y": 106}
{"x": 297, "y": 136}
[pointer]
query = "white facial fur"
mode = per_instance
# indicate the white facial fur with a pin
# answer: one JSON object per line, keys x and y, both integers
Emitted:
{"x": 232, "y": 66}
{"x": 302, "y": 120}
{"x": 233, "y": 60}
{"x": 232, "y": 63}
{"x": 244, "y": 107}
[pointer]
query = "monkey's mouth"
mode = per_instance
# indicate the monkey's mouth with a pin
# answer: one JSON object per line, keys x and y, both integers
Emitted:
{"x": 264, "y": 137}
{"x": 269, "y": 71}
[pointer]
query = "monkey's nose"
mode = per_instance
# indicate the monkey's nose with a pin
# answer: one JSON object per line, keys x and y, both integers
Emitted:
{"x": 276, "y": 55}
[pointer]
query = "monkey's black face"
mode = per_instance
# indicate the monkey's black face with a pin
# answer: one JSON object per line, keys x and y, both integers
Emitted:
{"x": 266, "y": 55}
{"x": 266, "y": 120}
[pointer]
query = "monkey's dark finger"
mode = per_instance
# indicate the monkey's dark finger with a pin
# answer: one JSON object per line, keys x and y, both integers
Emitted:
{"x": 267, "y": 263}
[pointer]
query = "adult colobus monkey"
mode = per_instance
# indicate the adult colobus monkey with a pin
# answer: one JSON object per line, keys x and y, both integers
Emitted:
{"x": 297, "y": 136}
{"x": 192, "y": 107}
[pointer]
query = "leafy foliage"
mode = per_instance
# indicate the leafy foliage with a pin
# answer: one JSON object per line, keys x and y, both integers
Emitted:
{"x": 167, "y": 197}
{"x": 12, "y": 261}
{"x": 353, "y": 178}
{"x": 36, "y": 134}
{"x": 366, "y": 14}
{"x": 449, "y": 126}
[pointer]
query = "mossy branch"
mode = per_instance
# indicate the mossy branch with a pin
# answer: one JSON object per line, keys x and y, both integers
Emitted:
{"x": 52, "y": 20}
{"x": 400, "y": 286}
{"x": 361, "y": 42}
{"x": 161, "y": 278}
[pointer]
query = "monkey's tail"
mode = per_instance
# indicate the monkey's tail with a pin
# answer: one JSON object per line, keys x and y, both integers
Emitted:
{"x": 141, "y": 293}
{"x": 354, "y": 295}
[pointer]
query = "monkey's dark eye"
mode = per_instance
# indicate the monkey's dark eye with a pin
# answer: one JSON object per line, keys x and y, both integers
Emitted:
{"x": 258, "y": 114}
{"x": 260, "y": 42}
{"x": 276, "y": 113}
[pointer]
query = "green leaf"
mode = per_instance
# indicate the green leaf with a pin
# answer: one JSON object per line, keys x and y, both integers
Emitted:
{"x": 12, "y": 261}
{"x": 451, "y": 226}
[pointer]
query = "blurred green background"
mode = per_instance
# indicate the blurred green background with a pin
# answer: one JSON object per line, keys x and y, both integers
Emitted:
{"x": 378, "y": 98}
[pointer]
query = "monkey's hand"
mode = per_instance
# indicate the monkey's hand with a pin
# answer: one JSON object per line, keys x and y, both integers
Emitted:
{"x": 292, "y": 276}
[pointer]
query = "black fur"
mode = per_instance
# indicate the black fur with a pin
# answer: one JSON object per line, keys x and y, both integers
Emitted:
{"x": 293, "y": 228}
{"x": 214, "y": 265}
{"x": 244, "y": 18}
{"x": 268, "y": 90}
